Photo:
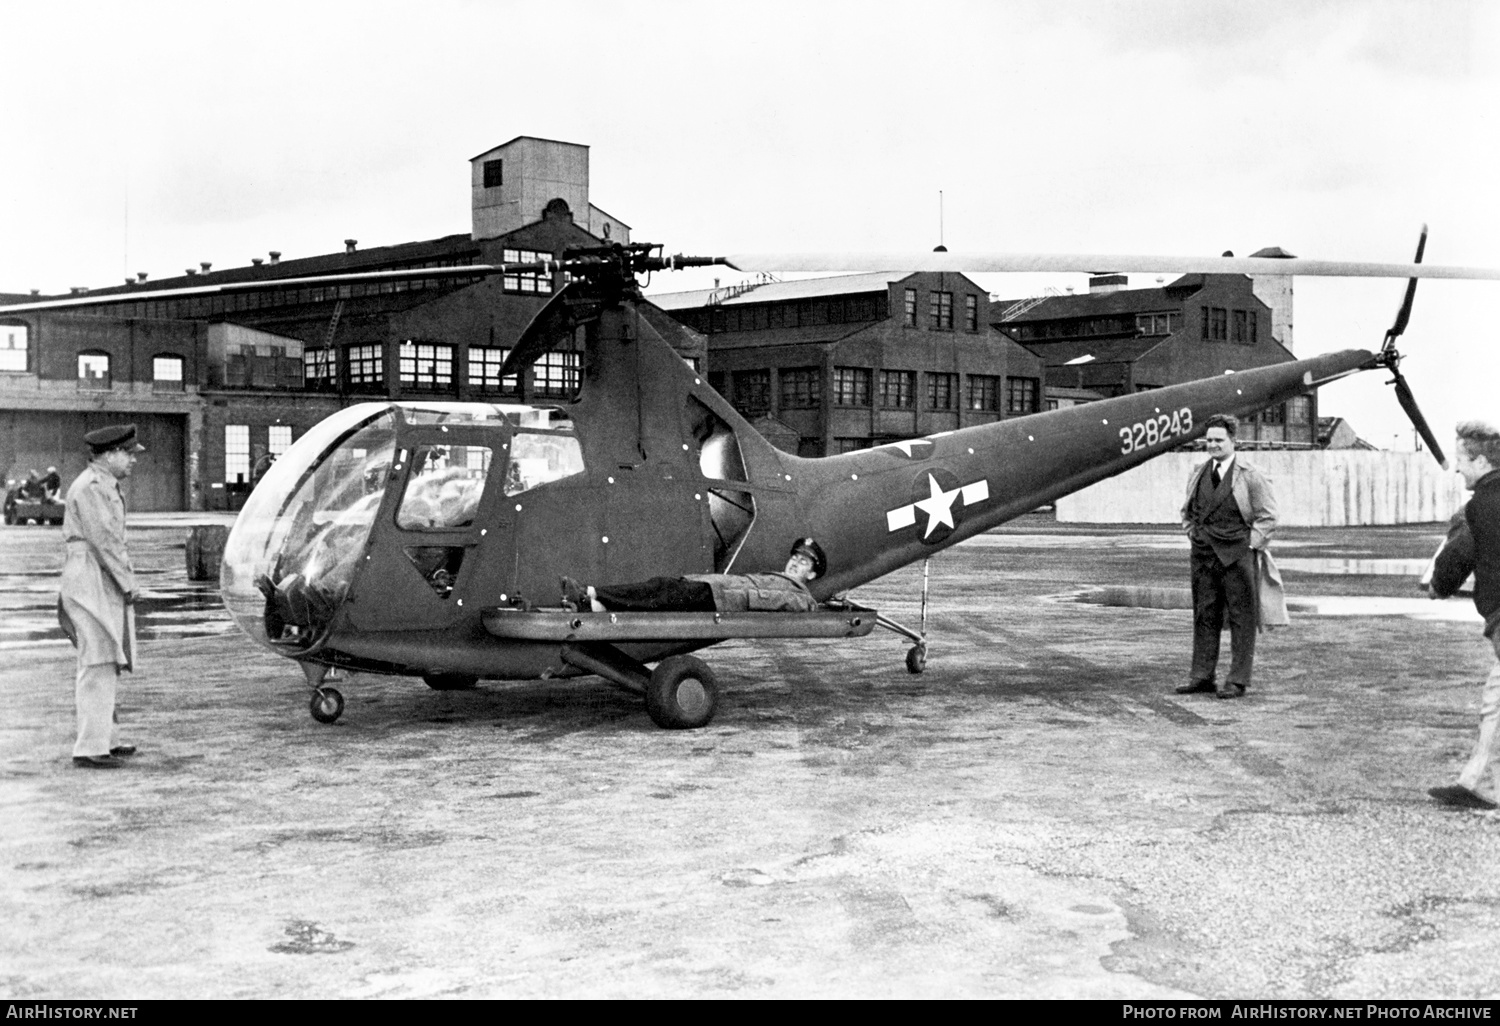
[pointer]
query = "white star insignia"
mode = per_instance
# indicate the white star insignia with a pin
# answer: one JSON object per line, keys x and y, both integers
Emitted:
{"x": 938, "y": 505}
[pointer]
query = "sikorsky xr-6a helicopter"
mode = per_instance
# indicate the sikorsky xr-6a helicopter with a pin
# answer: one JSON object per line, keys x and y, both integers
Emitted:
{"x": 428, "y": 539}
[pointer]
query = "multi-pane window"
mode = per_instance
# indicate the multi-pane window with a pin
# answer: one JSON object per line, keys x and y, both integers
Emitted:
{"x": 910, "y": 315}
{"x": 940, "y": 310}
{"x": 484, "y": 370}
{"x": 557, "y": 374}
{"x": 752, "y": 392}
{"x": 279, "y": 438}
{"x": 526, "y": 281}
{"x": 236, "y": 453}
{"x": 941, "y": 391}
{"x": 984, "y": 392}
{"x": 319, "y": 368}
{"x": 166, "y": 373}
{"x": 971, "y": 312}
{"x": 1021, "y": 395}
{"x": 851, "y": 386}
{"x": 1299, "y": 409}
{"x": 898, "y": 388}
{"x": 426, "y": 364}
{"x": 850, "y": 444}
{"x": 801, "y": 388}
{"x": 1274, "y": 414}
{"x": 367, "y": 365}
{"x": 14, "y": 347}
{"x": 1244, "y": 327}
{"x": 93, "y": 370}
{"x": 1215, "y": 323}
{"x": 1156, "y": 323}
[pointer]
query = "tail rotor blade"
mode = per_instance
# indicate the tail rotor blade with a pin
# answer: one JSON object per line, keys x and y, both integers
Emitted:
{"x": 1404, "y": 314}
{"x": 1409, "y": 404}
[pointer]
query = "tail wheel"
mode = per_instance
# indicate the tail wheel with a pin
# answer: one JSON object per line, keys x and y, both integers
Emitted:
{"x": 916, "y": 658}
{"x": 327, "y": 705}
{"x": 682, "y": 693}
{"x": 450, "y": 681}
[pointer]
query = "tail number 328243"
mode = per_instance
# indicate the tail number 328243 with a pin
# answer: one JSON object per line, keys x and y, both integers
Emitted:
{"x": 1146, "y": 433}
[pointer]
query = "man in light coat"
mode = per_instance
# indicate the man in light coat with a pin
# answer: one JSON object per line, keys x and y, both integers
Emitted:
{"x": 96, "y": 606}
{"x": 1229, "y": 515}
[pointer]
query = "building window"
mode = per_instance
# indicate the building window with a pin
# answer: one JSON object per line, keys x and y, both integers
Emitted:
{"x": 910, "y": 315}
{"x": 1273, "y": 414}
{"x": 941, "y": 391}
{"x": 557, "y": 374}
{"x": 367, "y": 365}
{"x": 484, "y": 370}
{"x": 940, "y": 310}
{"x": 1156, "y": 323}
{"x": 526, "y": 281}
{"x": 984, "y": 392}
{"x": 801, "y": 388}
{"x": 494, "y": 174}
{"x": 851, "y": 386}
{"x": 898, "y": 388}
{"x": 1299, "y": 409}
{"x": 319, "y": 368}
{"x": 93, "y": 370}
{"x": 14, "y": 347}
{"x": 236, "y": 453}
{"x": 279, "y": 438}
{"x": 971, "y": 313}
{"x": 166, "y": 373}
{"x": 850, "y": 444}
{"x": 1241, "y": 327}
{"x": 426, "y": 365}
{"x": 752, "y": 392}
{"x": 1021, "y": 395}
{"x": 1215, "y": 324}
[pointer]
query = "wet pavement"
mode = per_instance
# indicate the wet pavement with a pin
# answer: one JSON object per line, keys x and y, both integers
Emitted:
{"x": 1038, "y": 815}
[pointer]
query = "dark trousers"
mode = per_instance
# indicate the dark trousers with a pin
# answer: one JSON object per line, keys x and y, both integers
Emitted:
{"x": 1220, "y": 590}
{"x": 659, "y": 594}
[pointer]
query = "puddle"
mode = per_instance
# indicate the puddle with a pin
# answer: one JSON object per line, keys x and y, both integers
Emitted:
{"x": 1455, "y": 610}
{"x": 179, "y": 611}
{"x": 1358, "y": 567}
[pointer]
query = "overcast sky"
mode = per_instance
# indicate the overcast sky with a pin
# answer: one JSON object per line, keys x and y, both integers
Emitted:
{"x": 151, "y": 136}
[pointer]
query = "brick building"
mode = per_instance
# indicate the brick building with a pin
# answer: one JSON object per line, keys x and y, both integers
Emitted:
{"x": 828, "y": 365}
{"x": 1113, "y": 340}
{"x": 216, "y": 377}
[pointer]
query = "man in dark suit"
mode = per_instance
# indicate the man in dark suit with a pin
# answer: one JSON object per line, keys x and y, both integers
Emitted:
{"x": 1229, "y": 515}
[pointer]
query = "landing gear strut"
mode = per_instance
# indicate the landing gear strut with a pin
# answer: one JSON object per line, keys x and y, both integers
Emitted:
{"x": 326, "y": 705}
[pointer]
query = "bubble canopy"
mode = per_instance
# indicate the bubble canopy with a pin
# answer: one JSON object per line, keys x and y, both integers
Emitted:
{"x": 294, "y": 549}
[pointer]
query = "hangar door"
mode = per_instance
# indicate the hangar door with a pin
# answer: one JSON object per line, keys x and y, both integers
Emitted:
{"x": 54, "y": 438}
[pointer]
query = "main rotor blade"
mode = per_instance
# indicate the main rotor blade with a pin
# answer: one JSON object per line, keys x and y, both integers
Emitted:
{"x": 1409, "y": 404}
{"x": 974, "y": 263}
{"x": 552, "y": 326}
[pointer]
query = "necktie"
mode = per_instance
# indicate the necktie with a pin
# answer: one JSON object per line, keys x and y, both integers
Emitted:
{"x": 1216, "y": 478}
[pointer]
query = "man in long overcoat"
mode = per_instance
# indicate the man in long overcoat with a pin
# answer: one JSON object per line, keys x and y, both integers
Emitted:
{"x": 1229, "y": 515}
{"x": 96, "y": 606}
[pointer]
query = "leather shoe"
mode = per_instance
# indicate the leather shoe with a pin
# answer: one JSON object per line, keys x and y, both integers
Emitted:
{"x": 1196, "y": 687}
{"x": 1458, "y": 794}
{"x": 97, "y": 762}
{"x": 1228, "y": 690}
{"x": 119, "y": 750}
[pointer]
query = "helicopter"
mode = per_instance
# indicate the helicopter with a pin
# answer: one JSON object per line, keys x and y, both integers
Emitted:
{"x": 427, "y": 539}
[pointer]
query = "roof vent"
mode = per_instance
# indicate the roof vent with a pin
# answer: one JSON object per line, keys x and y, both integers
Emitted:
{"x": 275, "y": 257}
{"x": 350, "y": 244}
{"x": 36, "y": 292}
{"x": 191, "y": 272}
{"x": 205, "y": 265}
{"x": 257, "y": 261}
{"x": 129, "y": 280}
{"x": 140, "y": 275}
{"x": 1101, "y": 283}
{"x": 78, "y": 290}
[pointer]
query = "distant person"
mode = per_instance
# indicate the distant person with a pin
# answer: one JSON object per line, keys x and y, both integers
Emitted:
{"x": 97, "y": 604}
{"x": 263, "y": 462}
{"x": 51, "y": 483}
{"x": 1229, "y": 517}
{"x": 31, "y": 488}
{"x": 1473, "y": 546}
{"x": 784, "y": 592}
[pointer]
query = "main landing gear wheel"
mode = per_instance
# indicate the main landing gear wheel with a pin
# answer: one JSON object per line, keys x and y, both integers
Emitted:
{"x": 327, "y": 705}
{"x": 682, "y": 694}
{"x": 450, "y": 681}
{"x": 916, "y": 658}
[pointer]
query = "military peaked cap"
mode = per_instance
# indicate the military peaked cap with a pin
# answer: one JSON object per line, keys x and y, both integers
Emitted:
{"x": 813, "y": 551}
{"x": 116, "y": 436}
